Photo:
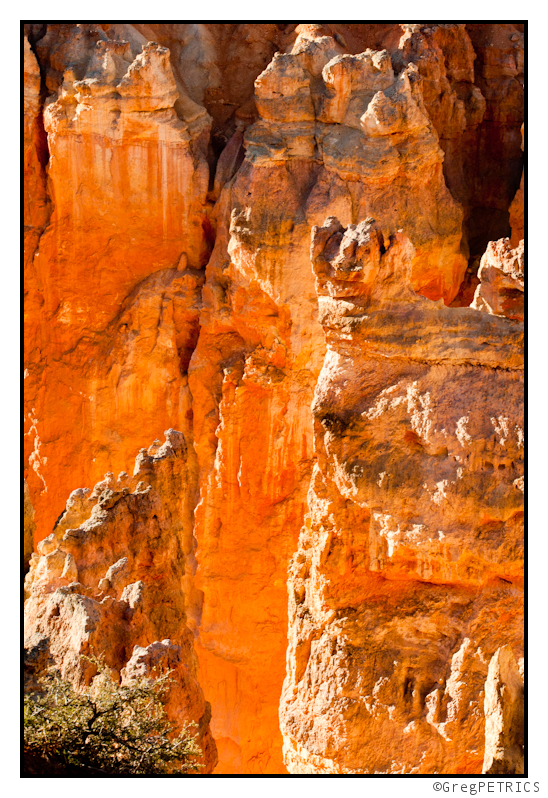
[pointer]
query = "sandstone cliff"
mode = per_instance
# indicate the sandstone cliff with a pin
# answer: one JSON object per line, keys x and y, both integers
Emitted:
{"x": 227, "y": 225}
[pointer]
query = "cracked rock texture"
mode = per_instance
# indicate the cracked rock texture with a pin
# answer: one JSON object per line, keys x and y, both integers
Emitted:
{"x": 301, "y": 245}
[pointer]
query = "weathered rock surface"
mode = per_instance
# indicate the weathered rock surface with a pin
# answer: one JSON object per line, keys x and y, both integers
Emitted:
{"x": 414, "y": 532}
{"x": 501, "y": 280}
{"x": 474, "y": 96}
{"x": 115, "y": 577}
{"x": 379, "y": 149}
{"x": 36, "y": 201}
{"x": 174, "y": 173}
{"x": 28, "y": 527}
{"x": 113, "y": 285}
{"x": 504, "y": 715}
{"x": 36, "y": 661}
{"x": 260, "y": 347}
{"x": 516, "y": 210}
{"x": 252, "y": 378}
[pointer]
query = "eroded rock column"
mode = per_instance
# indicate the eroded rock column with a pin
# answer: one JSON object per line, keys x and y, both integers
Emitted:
{"x": 409, "y": 571}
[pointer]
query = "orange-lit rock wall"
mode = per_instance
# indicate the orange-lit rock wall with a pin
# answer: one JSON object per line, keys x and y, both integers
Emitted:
{"x": 252, "y": 377}
{"x": 175, "y": 174}
{"x": 409, "y": 573}
{"x": 113, "y": 285}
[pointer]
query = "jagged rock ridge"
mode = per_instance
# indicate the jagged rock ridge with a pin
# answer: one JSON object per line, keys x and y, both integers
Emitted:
{"x": 115, "y": 578}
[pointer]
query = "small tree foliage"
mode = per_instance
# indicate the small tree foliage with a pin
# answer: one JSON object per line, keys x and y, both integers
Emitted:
{"x": 107, "y": 729}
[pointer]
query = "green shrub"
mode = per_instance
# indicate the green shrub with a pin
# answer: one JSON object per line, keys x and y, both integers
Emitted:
{"x": 105, "y": 730}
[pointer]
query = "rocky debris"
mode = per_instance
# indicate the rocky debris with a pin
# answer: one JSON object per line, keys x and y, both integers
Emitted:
{"x": 504, "y": 715}
{"x": 114, "y": 574}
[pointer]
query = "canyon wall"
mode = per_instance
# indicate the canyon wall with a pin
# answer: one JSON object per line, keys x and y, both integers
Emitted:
{"x": 299, "y": 248}
{"x": 409, "y": 569}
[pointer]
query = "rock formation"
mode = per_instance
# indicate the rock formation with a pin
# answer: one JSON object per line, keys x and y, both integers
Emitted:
{"x": 115, "y": 578}
{"x": 114, "y": 281}
{"x": 416, "y": 504}
{"x": 504, "y": 715}
{"x": 501, "y": 280}
{"x": 227, "y": 224}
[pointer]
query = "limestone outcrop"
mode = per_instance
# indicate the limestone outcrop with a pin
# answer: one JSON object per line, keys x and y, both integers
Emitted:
{"x": 379, "y": 149}
{"x": 176, "y": 176}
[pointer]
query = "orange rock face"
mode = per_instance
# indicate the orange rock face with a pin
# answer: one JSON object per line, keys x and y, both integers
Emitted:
{"x": 36, "y": 201}
{"x": 113, "y": 286}
{"x": 414, "y": 534}
{"x": 227, "y": 225}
